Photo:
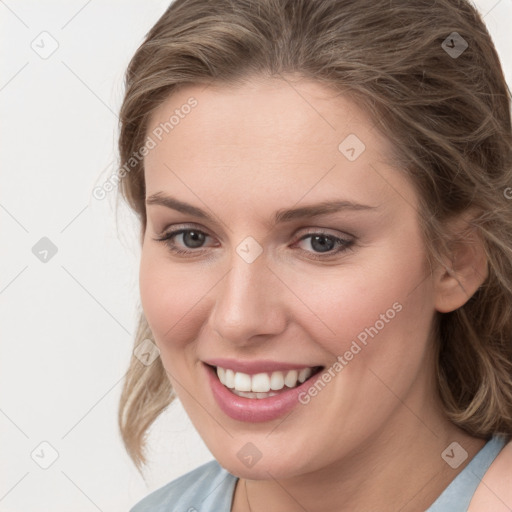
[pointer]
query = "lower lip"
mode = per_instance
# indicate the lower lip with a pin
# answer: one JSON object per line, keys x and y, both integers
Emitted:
{"x": 254, "y": 410}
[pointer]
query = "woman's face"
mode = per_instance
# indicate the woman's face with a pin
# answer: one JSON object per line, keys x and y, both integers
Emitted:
{"x": 297, "y": 247}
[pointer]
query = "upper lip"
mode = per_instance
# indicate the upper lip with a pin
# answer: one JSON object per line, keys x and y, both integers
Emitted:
{"x": 255, "y": 366}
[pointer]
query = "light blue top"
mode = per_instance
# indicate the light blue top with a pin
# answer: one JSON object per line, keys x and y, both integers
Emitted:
{"x": 210, "y": 488}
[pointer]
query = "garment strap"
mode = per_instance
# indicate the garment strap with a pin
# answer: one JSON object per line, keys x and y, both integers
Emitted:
{"x": 457, "y": 496}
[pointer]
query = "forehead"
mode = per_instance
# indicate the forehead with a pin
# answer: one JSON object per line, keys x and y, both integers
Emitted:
{"x": 299, "y": 137}
{"x": 277, "y": 112}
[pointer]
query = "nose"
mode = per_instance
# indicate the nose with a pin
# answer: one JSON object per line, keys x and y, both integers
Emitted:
{"x": 248, "y": 303}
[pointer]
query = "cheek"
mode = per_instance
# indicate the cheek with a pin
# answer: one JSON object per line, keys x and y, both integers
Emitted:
{"x": 383, "y": 298}
{"x": 173, "y": 299}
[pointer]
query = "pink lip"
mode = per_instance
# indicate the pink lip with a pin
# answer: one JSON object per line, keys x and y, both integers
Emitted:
{"x": 252, "y": 409}
{"x": 253, "y": 367}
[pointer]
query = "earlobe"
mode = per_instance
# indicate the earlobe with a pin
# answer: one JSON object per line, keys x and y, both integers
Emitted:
{"x": 463, "y": 271}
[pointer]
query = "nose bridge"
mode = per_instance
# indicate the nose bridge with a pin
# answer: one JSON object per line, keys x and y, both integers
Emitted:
{"x": 246, "y": 302}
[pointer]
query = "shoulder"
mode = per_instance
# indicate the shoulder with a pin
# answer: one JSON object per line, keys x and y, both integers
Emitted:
{"x": 495, "y": 492}
{"x": 189, "y": 491}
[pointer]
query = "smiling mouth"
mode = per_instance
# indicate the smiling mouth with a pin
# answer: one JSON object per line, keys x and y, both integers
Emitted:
{"x": 265, "y": 384}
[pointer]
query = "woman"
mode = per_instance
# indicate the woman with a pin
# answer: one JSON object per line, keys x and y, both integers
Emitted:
{"x": 326, "y": 270}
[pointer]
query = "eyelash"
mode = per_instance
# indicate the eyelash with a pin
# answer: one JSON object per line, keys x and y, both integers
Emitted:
{"x": 344, "y": 244}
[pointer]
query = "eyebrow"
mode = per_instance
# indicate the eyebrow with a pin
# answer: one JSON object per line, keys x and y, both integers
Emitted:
{"x": 285, "y": 215}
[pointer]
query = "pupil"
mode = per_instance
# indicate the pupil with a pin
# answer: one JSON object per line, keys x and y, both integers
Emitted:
{"x": 193, "y": 239}
{"x": 322, "y": 243}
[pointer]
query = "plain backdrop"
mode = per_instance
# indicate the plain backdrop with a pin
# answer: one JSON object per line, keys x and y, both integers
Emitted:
{"x": 69, "y": 270}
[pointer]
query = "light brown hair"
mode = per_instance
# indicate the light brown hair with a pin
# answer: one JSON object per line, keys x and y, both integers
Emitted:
{"x": 447, "y": 116}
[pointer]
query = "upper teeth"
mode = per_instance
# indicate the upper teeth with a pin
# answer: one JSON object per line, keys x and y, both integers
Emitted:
{"x": 262, "y": 382}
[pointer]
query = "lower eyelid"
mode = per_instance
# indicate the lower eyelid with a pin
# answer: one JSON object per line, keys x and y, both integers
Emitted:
{"x": 335, "y": 251}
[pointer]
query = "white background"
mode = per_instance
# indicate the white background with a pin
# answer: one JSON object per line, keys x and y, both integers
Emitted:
{"x": 67, "y": 325}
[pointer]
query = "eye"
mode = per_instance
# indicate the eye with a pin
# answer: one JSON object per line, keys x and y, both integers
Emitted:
{"x": 192, "y": 241}
{"x": 184, "y": 241}
{"x": 324, "y": 244}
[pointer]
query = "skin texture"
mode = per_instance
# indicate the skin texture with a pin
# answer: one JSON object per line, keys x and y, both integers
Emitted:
{"x": 242, "y": 154}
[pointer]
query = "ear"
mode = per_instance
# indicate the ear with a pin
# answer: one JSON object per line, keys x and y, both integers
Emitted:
{"x": 464, "y": 269}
